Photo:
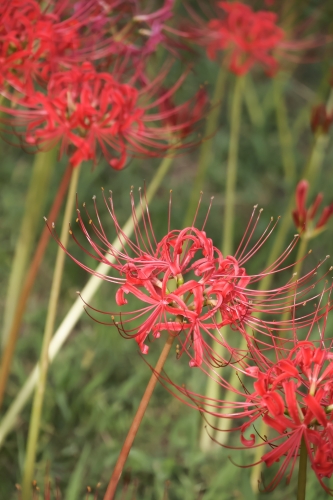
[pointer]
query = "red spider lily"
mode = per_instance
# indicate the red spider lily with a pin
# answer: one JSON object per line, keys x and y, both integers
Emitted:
{"x": 249, "y": 37}
{"x": 34, "y": 43}
{"x": 292, "y": 394}
{"x": 294, "y": 397}
{"x": 85, "y": 110}
{"x": 190, "y": 289}
{"x": 303, "y": 217}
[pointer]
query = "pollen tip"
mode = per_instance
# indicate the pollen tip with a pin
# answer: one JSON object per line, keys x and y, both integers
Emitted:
{"x": 94, "y": 197}
{"x": 88, "y": 489}
{"x": 310, "y": 251}
{"x": 261, "y": 210}
{"x": 212, "y": 198}
{"x": 294, "y": 274}
{"x": 328, "y": 256}
{"x": 45, "y": 218}
{"x": 296, "y": 235}
{"x": 84, "y": 204}
{"x": 255, "y": 206}
{"x": 70, "y": 231}
{"x": 330, "y": 269}
{"x": 132, "y": 187}
{"x": 201, "y": 192}
{"x": 140, "y": 188}
{"x": 90, "y": 221}
{"x": 102, "y": 188}
{"x": 77, "y": 292}
{"x": 77, "y": 219}
{"x": 170, "y": 190}
{"x": 272, "y": 218}
{"x": 53, "y": 225}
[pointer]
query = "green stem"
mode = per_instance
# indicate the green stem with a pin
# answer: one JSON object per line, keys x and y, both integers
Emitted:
{"x": 34, "y": 204}
{"x": 230, "y": 188}
{"x": 286, "y": 138}
{"x": 301, "y": 490}
{"x": 49, "y": 328}
{"x": 252, "y": 103}
{"x": 28, "y": 283}
{"x": 212, "y": 388}
{"x": 65, "y": 328}
{"x": 206, "y": 150}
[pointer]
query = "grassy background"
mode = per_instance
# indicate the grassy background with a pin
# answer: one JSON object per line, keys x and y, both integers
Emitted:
{"x": 97, "y": 380}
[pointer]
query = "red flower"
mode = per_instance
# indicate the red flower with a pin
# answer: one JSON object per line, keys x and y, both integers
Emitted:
{"x": 33, "y": 43}
{"x": 303, "y": 217}
{"x": 249, "y": 37}
{"x": 85, "y": 110}
{"x": 294, "y": 397}
{"x": 190, "y": 289}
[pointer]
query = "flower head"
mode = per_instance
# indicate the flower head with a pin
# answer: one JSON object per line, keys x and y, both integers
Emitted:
{"x": 33, "y": 43}
{"x": 248, "y": 37}
{"x": 189, "y": 289}
{"x": 304, "y": 217}
{"x": 86, "y": 110}
{"x": 294, "y": 397}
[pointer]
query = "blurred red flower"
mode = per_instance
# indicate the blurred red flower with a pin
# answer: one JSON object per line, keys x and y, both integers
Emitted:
{"x": 248, "y": 37}
{"x": 304, "y": 217}
{"x": 86, "y": 110}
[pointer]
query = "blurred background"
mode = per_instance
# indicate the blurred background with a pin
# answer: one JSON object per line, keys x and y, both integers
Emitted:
{"x": 96, "y": 382}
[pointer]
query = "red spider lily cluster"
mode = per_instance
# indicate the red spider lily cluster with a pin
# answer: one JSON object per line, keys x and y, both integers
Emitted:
{"x": 190, "y": 290}
{"x": 304, "y": 217}
{"x": 108, "y": 104}
{"x": 294, "y": 398}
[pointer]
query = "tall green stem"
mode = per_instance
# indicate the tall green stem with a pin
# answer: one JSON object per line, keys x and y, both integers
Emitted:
{"x": 303, "y": 459}
{"x": 286, "y": 137}
{"x": 206, "y": 150}
{"x": 8, "y": 422}
{"x": 35, "y": 200}
{"x": 27, "y": 285}
{"x": 212, "y": 389}
{"x": 230, "y": 188}
{"x": 49, "y": 328}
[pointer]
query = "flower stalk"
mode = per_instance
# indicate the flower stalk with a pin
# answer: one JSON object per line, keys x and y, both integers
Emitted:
{"x": 28, "y": 284}
{"x": 117, "y": 471}
{"x": 206, "y": 150}
{"x": 286, "y": 137}
{"x": 303, "y": 461}
{"x": 230, "y": 188}
{"x": 49, "y": 328}
{"x": 35, "y": 200}
{"x": 212, "y": 388}
{"x": 65, "y": 328}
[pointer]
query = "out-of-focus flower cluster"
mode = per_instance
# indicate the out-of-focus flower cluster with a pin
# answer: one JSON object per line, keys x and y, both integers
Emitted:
{"x": 77, "y": 73}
